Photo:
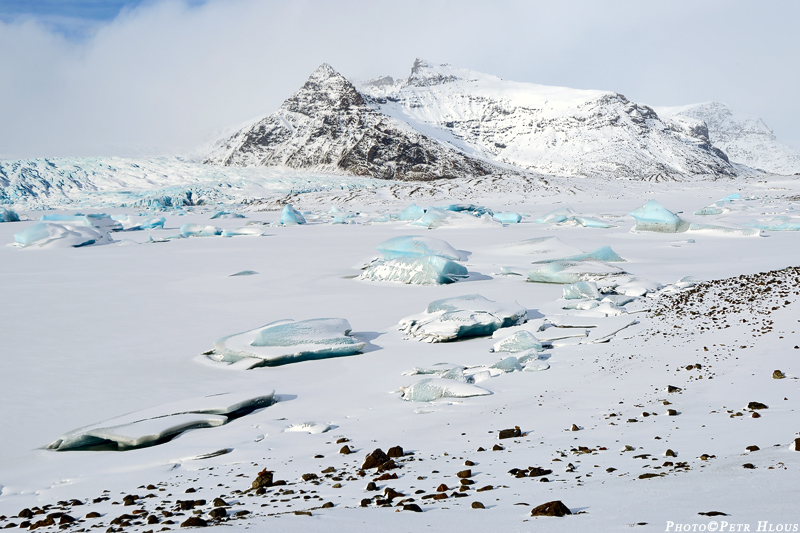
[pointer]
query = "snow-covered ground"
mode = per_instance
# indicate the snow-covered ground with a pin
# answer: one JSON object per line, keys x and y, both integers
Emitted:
{"x": 97, "y": 332}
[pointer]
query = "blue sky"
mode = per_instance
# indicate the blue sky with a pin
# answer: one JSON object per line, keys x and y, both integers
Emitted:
{"x": 139, "y": 77}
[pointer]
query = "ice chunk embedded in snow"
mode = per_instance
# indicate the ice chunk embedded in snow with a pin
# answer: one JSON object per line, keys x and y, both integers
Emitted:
{"x": 557, "y": 216}
{"x": 463, "y": 316}
{"x": 508, "y": 217}
{"x": 416, "y": 246}
{"x": 637, "y": 287}
{"x": 520, "y": 341}
{"x": 199, "y": 230}
{"x": 309, "y": 427}
{"x": 423, "y": 270}
{"x": 604, "y": 253}
{"x": 8, "y": 215}
{"x": 130, "y": 224}
{"x": 734, "y": 231}
{"x": 97, "y": 220}
{"x": 572, "y": 271}
{"x": 412, "y": 212}
{"x": 430, "y": 389}
{"x": 159, "y": 424}
{"x": 590, "y": 222}
{"x": 775, "y": 224}
{"x": 55, "y": 235}
{"x": 287, "y": 341}
{"x": 222, "y": 213}
{"x": 509, "y": 364}
{"x": 249, "y": 230}
{"x": 291, "y": 216}
{"x": 653, "y": 216}
{"x": 472, "y": 209}
{"x": 580, "y": 290}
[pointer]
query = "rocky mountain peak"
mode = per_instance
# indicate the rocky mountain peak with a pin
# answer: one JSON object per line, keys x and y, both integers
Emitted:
{"x": 326, "y": 90}
{"x": 425, "y": 74}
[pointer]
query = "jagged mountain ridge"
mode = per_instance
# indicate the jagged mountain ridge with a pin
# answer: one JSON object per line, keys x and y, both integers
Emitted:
{"x": 447, "y": 122}
{"x": 552, "y": 130}
{"x": 328, "y": 126}
{"x": 746, "y": 140}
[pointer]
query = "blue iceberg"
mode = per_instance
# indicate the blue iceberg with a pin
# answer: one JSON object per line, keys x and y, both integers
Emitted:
{"x": 417, "y": 246}
{"x": 54, "y": 235}
{"x": 508, "y": 217}
{"x": 412, "y": 212}
{"x": 8, "y": 215}
{"x": 653, "y": 216}
{"x": 291, "y": 216}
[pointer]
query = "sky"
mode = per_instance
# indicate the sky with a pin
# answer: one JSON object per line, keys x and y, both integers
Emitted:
{"x": 169, "y": 77}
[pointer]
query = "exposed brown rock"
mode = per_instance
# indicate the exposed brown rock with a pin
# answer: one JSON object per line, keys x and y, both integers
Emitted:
{"x": 374, "y": 459}
{"x": 478, "y": 505}
{"x": 554, "y": 508}
{"x": 509, "y": 433}
{"x": 395, "y": 451}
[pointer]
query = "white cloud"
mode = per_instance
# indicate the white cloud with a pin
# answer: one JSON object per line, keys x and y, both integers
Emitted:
{"x": 166, "y": 77}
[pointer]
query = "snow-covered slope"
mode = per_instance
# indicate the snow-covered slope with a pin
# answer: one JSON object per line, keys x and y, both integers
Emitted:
{"x": 746, "y": 140}
{"x": 552, "y": 130}
{"x": 327, "y": 126}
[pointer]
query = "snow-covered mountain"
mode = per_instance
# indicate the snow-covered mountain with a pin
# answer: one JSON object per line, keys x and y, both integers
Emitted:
{"x": 552, "y": 130}
{"x": 328, "y": 126}
{"x": 746, "y": 140}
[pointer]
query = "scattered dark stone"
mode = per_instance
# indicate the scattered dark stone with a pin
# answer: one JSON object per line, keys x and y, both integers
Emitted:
{"x": 485, "y": 488}
{"x": 469, "y": 463}
{"x": 93, "y": 514}
{"x": 309, "y": 477}
{"x": 672, "y": 412}
{"x": 797, "y": 444}
{"x": 385, "y": 477}
{"x": 365, "y": 502}
{"x": 327, "y": 505}
{"x": 345, "y": 450}
{"x": 319, "y": 456}
{"x": 440, "y": 496}
{"x": 65, "y": 519}
{"x": 25, "y": 513}
{"x": 190, "y": 489}
{"x": 388, "y": 465}
{"x": 25, "y": 524}
{"x": 535, "y": 471}
{"x": 152, "y": 519}
{"x": 756, "y": 405}
{"x": 217, "y": 513}
{"x": 497, "y": 448}
{"x": 554, "y": 508}
{"x": 649, "y": 475}
{"x": 478, "y": 505}
{"x": 465, "y": 473}
{"x": 243, "y": 512}
{"x": 442, "y": 488}
{"x": 714, "y": 513}
{"x": 130, "y": 499}
{"x": 303, "y": 513}
{"x": 329, "y": 470}
{"x": 670, "y": 453}
{"x": 375, "y": 459}
{"x": 390, "y": 494}
{"x": 752, "y": 448}
{"x": 371, "y": 486}
{"x": 342, "y": 440}
{"x": 544, "y": 480}
{"x": 750, "y": 466}
{"x": 264, "y": 479}
{"x": 395, "y": 451}
{"x": 481, "y": 449}
{"x": 466, "y": 481}
{"x": 673, "y": 388}
{"x": 151, "y": 487}
{"x": 412, "y": 507}
{"x": 574, "y": 428}
{"x": 755, "y": 415}
{"x": 509, "y": 433}
{"x": 186, "y": 505}
{"x": 219, "y": 502}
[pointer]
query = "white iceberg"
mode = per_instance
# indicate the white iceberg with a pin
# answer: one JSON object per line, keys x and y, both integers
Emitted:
{"x": 287, "y": 341}
{"x": 463, "y": 316}
{"x": 159, "y": 424}
{"x": 653, "y": 216}
{"x": 424, "y": 270}
{"x": 291, "y": 216}
{"x": 436, "y": 369}
{"x": 55, "y": 235}
{"x": 520, "y": 341}
{"x": 572, "y": 271}
{"x": 581, "y": 290}
{"x": 199, "y": 230}
{"x": 430, "y": 389}
{"x": 418, "y": 246}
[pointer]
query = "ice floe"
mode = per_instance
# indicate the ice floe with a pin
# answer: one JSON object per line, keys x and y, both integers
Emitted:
{"x": 581, "y": 290}
{"x": 56, "y": 235}
{"x": 160, "y": 424}
{"x": 430, "y": 389}
{"x": 780, "y": 223}
{"x": 462, "y": 316}
{"x": 287, "y": 341}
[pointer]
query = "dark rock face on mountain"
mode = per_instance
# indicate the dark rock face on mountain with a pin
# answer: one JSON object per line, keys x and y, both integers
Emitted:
{"x": 328, "y": 126}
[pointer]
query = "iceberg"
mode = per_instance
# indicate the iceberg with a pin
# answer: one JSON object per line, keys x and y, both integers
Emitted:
{"x": 423, "y": 270}
{"x": 98, "y": 220}
{"x": 132, "y": 224}
{"x": 581, "y": 290}
{"x": 433, "y": 217}
{"x": 417, "y": 246}
{"x": 8, "y": 215}
{"x": 460, "y": 317}
{"x": 291, "y": 216}
{"x": 199, "y": 230}
{"x": 55, "y": 235}
{"x": 653, "y": 216}
{"x": 471, "y": 209}
{"x": 287, "y": 341}
{"x": 572, "y": 271}
{"x": 222, "y": 213}
{"x": 521, "y": 341}
{"x": 782, "y": 223}
{"x": 430, "y": 389}
{"x": 412, "y": 212}
{"x": 508, "y": 217}
{"x": 160, "y": 424}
